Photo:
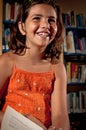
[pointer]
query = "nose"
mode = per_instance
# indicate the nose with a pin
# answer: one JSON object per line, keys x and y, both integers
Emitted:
{"x": 45, "y": 23}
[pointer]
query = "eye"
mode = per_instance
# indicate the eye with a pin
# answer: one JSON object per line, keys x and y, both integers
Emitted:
{"x": 36, "y": 18}
{"x": 51, "y": 20}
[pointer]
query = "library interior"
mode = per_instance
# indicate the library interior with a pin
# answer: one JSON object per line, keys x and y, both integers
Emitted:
{"x": 73, "y": 56}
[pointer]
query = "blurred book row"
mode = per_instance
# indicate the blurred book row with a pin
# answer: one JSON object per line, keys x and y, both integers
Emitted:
{"x": 5, "y": 38}
{"x": 10, "y": 11}
{"x": 73, "y": 43}
{"x": 76, "y": 102}
{"x": 75, "y": 72}
{"x": 74, "y": 19}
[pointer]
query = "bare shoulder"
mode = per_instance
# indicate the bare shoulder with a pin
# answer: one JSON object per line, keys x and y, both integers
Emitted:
{"x": 59, "y": 69}
{"x": 6, "y": 67}
{"x": 6, "y": 58}
{"x": 6, "y": 62}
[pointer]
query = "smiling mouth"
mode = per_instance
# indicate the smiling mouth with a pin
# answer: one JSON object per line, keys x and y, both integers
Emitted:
{"x": 44, "y": 34}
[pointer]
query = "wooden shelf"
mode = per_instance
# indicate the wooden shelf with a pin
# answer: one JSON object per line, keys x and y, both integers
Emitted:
{"x": 75, "y": 87}
{"x": 75, "y": 57}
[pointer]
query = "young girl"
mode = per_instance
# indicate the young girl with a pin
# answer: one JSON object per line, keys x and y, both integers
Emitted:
{"x": 36, "y": 76}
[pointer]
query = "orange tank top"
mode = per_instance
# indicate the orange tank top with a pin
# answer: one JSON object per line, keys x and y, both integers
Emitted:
{"x": 30, "y": 92}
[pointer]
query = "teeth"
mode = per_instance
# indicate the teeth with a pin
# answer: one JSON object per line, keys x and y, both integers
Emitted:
{"x": 43, "y": 34}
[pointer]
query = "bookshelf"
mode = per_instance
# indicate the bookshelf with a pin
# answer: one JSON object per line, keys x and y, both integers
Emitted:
{"x": 76, "y": 85}
{"x": 10, "y": 10}
{"x": 75, "y": 32}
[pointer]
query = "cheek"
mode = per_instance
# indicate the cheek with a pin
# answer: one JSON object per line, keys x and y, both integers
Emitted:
{"x": 31, "y": 27}
{"x": 54, "y": 31}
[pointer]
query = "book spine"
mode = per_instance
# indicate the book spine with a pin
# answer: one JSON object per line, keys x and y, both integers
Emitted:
{"x": 70, "y": 42}
{"x": 74, "y": 72}
{"x": 76, "y": 102}
{"x": 73, "y": 18}
{"x": 16, "y": 10}
{"x": 68, "y": 66}
{"x": 7, "y": 11}
{"x": 12, "y": 8}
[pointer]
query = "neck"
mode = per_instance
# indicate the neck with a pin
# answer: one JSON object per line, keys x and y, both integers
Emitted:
{"x": 33, "y": 57}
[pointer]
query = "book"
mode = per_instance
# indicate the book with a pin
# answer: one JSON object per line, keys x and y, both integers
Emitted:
{"x": 73, "y": 18}
{"x": 80, "y": 45}
{"x": 68, "y": 68}
{"x": 83, "y": 74}
{"x": 64, "y": 41}
{"x": 82, "y": 101}
{"x": 13, "y": 120}
{"x": 66, "y": 19}
{"x": 70, "y": 42}
{"x": 76, "y": 107}
{"x": 74, "y": 72}
{"x": 7, "y": 38}
{"x": 71, "y": 102}
{"x": 12, "y": 9}
{"x": 83, "y": 39}
{"x": 16, "y": 7}
{"x": 76, "y": 44}
{"x": 7, "y": 11}
{"x": 79, "y": 73}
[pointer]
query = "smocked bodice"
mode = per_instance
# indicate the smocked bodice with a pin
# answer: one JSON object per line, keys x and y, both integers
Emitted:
{"x": 30, "y": 93}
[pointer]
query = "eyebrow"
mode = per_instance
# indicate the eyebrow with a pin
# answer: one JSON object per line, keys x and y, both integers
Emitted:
{"x": 42, "y": 15}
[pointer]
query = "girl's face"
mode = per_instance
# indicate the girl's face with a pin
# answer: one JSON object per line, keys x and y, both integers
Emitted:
{"x": 40, "y": 26}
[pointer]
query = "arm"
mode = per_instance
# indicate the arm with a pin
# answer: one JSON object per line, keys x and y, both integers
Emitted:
{"x": 4, "y": 69}
{"x": 1, "y": 116}
{"x": 5, "y": 72}
{"x": 59, "y": 110}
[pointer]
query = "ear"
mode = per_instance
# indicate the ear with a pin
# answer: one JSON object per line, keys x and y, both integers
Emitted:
{"x": 22, "y": 28}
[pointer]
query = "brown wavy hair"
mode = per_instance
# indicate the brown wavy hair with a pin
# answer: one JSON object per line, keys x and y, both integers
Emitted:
{"x": 17, "y": 43}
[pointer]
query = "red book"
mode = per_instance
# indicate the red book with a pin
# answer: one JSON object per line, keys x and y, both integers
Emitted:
{"x": 80, "y": 44}
{"x": 12, "y": 11}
